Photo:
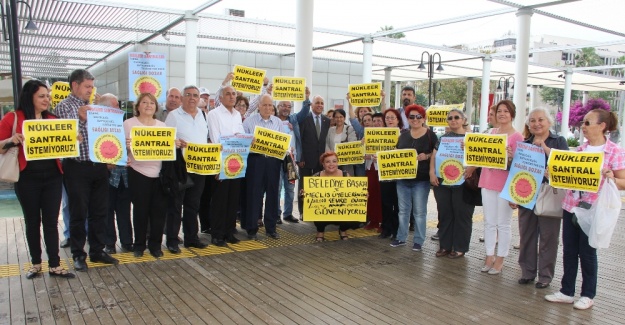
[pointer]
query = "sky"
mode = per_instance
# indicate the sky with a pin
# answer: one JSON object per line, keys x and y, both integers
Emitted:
{"x": 367, "y": 16}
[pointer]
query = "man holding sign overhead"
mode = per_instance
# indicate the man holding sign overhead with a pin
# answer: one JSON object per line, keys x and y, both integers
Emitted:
{"x": 263, "y": 171}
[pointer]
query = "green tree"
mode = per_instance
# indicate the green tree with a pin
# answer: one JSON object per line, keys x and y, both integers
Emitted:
{"x": 619, "y": 72}
{"x": 587, "y": 57}
{"x": 394, "y": 35}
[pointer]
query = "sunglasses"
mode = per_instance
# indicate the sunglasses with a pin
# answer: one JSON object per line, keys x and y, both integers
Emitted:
{"x": 418, "y": 117}
{"x": 587, "y": 123}
{"x": 453, "y": 117}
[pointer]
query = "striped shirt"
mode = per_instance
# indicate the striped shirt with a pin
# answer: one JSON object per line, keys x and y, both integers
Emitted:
{"x": 614, "y": 159}
{"x": 68, "y": 109}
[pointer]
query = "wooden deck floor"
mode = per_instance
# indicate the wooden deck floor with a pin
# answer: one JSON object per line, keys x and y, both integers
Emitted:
{"x": 295, "y": 281}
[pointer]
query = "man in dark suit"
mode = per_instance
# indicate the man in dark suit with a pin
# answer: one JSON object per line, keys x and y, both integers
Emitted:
{"x": 313, "y": 133}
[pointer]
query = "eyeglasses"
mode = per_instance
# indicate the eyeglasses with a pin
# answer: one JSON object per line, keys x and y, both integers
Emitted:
{"x": 191, "y": 95}
{"x": 412, "y": 117}
{"x": 390, "y": 118}
{"x": 587, "y": 123}
{"x": 453, "y": 117}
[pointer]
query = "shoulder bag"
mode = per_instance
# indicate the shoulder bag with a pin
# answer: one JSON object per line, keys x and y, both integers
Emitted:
{"x": 549, "y": 202}
{"x": 9, "y": 166}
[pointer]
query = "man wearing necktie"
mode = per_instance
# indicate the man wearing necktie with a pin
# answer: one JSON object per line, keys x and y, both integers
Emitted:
{"x": 313, "y": 132}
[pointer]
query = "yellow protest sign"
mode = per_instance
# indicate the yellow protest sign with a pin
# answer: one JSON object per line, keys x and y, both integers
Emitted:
{"x": 289, "y": 88}
{"x": 437, "y": 114}
{"x": 271, "y": 143}
{"x": 350, "y": 153}
{"x": 47, "y": 139}
{"x": 397, "y": 164}
{"x": 486, "y": 150}
{"x": 248, "y": 80}
{"x": 60, "y": 90}
{"x": 380, "y": 139}
{"x": 203, "y": 159}
{"x": 366, "y": 95}
{"x": 580, "y": 171}
{"x": 153, "y": 143}
{"x": 335, "y": 199}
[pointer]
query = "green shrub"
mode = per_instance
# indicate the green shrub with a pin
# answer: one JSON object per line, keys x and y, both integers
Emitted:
{"x": 572, "y": 142}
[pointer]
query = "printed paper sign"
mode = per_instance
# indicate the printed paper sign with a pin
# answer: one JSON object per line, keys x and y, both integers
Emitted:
{"x": 60, "y": 90}
{"x": 271, "y": 143}
{"x": 248, "y": 80}
{"x": 380, "y": 139}
{"x": 486, "y": 150}
{"x": 350, "y": 153}
{"x": 397, "y": 164}
{"x": 147, "y": 73}
{"x": 235, "y": 149}
{"x": 366, "y": 95}
{"x": 48, "y": 139}
{"x": 450, "y": 161}
{"x": 580, "y": 171}
{"x": 437, "y": 114}
{"x": 289, "y": 88}
{"x": 107, "y": 142}
{"x": 526, "y": 175}
{"x": 153, "y": 143}
{"x": 202, "y": 159}
{"x": 335, "y": 199}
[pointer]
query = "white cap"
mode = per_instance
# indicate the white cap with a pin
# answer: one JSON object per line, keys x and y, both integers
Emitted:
{"x": 204, "y": 91}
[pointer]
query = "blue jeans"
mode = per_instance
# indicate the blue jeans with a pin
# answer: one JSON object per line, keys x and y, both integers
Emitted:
{"x": 576, "y": 250}
{"x": 412, "y": 196}
{"x": 289, "y": 190}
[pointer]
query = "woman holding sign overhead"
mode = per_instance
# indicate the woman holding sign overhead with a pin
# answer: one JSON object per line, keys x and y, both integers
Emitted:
{"x": 147, "y": 196}
{"x": 539, "y": 235}
{"x": 454, "y": 214}
{"x": 340, "y": 133}
{"x": 497, "y": 212}
{"x": 39, "y": 186}
{"x": 412, "y": 194}
{"x": 576, "y": 249}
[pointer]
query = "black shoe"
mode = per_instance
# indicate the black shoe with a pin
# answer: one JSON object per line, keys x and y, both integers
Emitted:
{"x": 33, "y": 272}
{"x": 219, "y": 242}
{"x": 232, "y": 240}
{"x": 156, "y": 253}
{"x": 252, "y": 236}
{"x": 540, "y": 285}
{"x": 291, "y": 219}
{"x": 525, "y": 281}
{"x": 274, "y": 235}
{"x": 110, "y": 249}
{"x": 138, "y": 253}
{"x": 103, "y": 258}
{"x": 65, "y": 243}
{"x": 384, "y": 236}
{"x": 197, "y": 244}
{"x": 435, "y": 236}
{"x": 80, "y": 264}
{"x": 206, "y": 231}
{"x": 127, "y": 248}
{"x": 279, "y": 222}
{"x": 174, "y": 249}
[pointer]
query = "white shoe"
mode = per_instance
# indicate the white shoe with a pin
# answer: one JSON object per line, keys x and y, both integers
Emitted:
{"x": 560, "y": 297}
{"x": 583, "y": 303}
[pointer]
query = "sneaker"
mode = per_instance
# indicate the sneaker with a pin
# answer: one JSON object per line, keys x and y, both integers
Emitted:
{"x": 583, "y": 303}
{"x": 560, "y": 297}
{"x": 435, "y": 236}
{"x": 416, "y": 247}
{"x": 397, "y": 243}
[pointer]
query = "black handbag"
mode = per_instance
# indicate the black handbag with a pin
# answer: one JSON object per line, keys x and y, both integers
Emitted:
{"x": 472, "y": 193}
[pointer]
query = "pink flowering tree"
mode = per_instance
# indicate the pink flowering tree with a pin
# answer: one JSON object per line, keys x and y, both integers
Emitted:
{"x": 579, "y": 110}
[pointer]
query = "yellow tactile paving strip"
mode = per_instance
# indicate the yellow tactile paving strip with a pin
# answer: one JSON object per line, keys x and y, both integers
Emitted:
{"x": 286, "y": 239}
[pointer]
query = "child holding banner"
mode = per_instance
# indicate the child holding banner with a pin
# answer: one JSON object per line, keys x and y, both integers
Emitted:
{"x": 39, "y": 186}
{"x": 576, "y": 249}
{"x": 497, "y": 212}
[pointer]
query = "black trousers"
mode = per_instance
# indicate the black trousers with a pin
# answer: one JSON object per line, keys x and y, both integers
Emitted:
{"x": 119, "y": 209}
{"x": 262, "y": 178}
{"x": 303, "y": 172}
{"x": 39, "y": 194}
{"x": 148, "y": 201}
{"x": 188, "y": 199}
{"x": 455, "y": 218}
{"x": 223, "y": 213}
{"x": 205, "y": 202}
{"x": 390, "y": 208}
{"x": 88, "y": 194}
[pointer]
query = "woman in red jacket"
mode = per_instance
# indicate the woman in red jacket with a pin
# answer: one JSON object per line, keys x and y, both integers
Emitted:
{"x": 39, "y": 187}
